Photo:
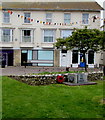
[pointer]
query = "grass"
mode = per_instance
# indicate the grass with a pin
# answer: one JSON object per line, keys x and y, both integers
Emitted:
{"x": 0, "y": 98}
{"x": 53, "y": 101}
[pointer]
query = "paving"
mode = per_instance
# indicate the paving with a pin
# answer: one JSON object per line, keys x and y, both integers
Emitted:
{"x": 78, "y": 84}
{"x": 21, "y": 70}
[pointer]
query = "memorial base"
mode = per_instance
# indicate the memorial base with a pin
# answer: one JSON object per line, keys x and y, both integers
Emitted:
{"x": 78, "y": 84}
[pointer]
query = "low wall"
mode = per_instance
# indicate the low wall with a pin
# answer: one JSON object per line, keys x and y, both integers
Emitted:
{"x": 95, "y": 76}
{"x": 51, "y": 79}
{"x": 36, "y": 79}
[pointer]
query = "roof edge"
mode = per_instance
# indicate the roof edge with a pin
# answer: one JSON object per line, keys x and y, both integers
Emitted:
{"x": 39, "y": 9}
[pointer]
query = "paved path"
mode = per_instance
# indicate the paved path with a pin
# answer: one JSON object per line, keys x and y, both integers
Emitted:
{"x": 31, "y": 69}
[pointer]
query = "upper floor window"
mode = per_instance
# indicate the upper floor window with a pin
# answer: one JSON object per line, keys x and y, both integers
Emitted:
{"x": 6, "y": 35}
{"x": 66, "y": 33}
{"x": 26, "y": 36}
{"x": 49, "y": 35}
{"x": 6, "y": 17}
{"x": 85, "y": 18}
{"x": 26, "y": 17}
{"x": 49, "y": 17}
{"x": 67, "y": 18}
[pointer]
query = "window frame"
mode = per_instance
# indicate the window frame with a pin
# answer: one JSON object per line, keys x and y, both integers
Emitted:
{"x": 38, "y": 59}
{"x": 85, "y": 19}
{"x": 66, "y": 19}
{"x": 53, "y": 30}
{"x": 31, "y": 35}
{"x": 10, "y": 35}
{"x": 49, "y": 19}
{"x": 6, "y": 20}
{"x": 62, "y": 32}
{"x": 26, "y": 21}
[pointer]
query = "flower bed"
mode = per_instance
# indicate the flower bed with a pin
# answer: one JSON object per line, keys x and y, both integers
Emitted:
{"x": 52, "y": 79}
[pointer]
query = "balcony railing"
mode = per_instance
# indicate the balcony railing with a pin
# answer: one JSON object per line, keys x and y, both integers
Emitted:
{"x": 26, "y": 38}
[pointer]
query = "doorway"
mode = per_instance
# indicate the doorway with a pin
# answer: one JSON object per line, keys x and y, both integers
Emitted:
{"x": 23, "y": 58}
{"x": 6, "y": 57}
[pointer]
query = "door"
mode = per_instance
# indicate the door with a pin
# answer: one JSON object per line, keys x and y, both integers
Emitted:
{"x": 23, "y": 58}
{"x": 64, "y": 58}
{"x": 10, "y": 58}
{"x": 75, "y": 58}
{"x": 7, "y": 57}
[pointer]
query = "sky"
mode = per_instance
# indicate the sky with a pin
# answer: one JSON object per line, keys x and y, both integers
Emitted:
{"x": 100, "y": 2}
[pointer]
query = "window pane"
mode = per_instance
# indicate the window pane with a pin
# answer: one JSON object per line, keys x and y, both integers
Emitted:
{"x": 26, "y": 16}
{"x": 35, "y": 55}
{"x": 48, "y": 32}
{"x": 48, "y": 39}
{"x": 48, "y": 35}
{"x": 6, "y": 35}
{"x": 26, "y": 35}
{"x": 75, "y": 56}
{"x": 29, "y": 54}
{"x": 45, "y": 64}
{"x": 6, "y": 17}
{"x": 6, "y": 32}
{"x": 48, "y": 17}
{"x": 45, "y": 55}
{"x": 67, "y": 18}
{"x": 6, "y": 14}
{"x": 85, "y": 18}
{"x": 27, "y": 32}
{"x": 66, "y": 33}
{"x": 26, "y": 39}
{"x": 24, "y": 51}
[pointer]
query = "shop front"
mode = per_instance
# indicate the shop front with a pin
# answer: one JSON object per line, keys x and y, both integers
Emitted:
{"x": 37, "y": 57}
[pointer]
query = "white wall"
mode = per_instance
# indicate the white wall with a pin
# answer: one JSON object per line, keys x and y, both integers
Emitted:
{"x": 58, "y": 17}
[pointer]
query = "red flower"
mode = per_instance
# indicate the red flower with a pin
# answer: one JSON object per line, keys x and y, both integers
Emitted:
{"x": 60, "y": 79}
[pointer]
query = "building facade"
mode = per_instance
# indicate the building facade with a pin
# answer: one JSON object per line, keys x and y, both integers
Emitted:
{"x": 29, "y": 30}
{"x": 104, "y": 14}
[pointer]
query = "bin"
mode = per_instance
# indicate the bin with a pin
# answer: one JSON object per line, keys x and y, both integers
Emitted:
{"x": 82, "y": 64}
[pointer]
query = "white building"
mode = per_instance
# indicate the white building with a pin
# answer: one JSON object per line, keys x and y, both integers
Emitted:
{"x": 29, "y": 30}
{"x": 104, "y": 14}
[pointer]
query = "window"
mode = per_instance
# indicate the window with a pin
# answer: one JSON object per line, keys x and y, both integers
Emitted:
{"x": 67, "y": 18}
{"x": 7, "y": 35}
{"x": 26, "y": 17}
{"x": 66, "y": 33}
{"x": 26, "y": 35}
{"x": 40, "y": 57}
{"x": 75, "y": 56}
{"x": 6, "y": 17}
{"x": 49, "y": 35}
{"x": 102, "y": 56}
{"x": 85, "y": 18}
{"x": 91, "y": 57}
{"x": 49, "y": 17}
{"x": 45, "y": 55}
{"x": 29, "y": 54}
{"x": 35, "y": 55}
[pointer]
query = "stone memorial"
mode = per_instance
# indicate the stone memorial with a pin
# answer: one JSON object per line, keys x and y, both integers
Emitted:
{"x": 72, "y": 78}
{"x": 82, "y": 77}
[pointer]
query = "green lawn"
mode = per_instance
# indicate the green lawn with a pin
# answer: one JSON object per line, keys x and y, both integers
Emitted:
{"x": 53, "y": 101}
{"x": 0, "y": 98}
